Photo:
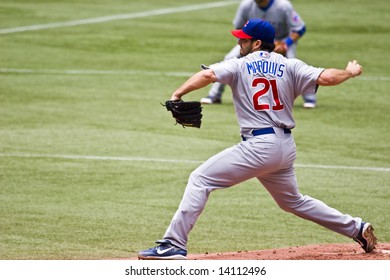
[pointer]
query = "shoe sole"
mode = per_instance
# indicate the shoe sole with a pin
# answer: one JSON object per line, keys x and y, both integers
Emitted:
{"x": 173, "y": 257}
{"x": 309, "y": 105}
{"x": 210, "y": 101}
{"x": 368, "y": 234}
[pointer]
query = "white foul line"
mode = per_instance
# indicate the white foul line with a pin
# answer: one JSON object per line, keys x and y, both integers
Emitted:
{"x": 163, "y": 160}
{"x": 108, "y": 158}
{"x": 118, "y": 17}
{"x": 361, "y": 168}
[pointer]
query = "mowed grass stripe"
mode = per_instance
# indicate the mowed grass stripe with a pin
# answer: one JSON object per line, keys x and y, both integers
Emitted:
{"x": 130, "y": 72}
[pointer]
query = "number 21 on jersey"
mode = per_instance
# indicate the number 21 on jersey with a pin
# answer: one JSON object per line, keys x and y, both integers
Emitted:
{"x": 269, "y": 88}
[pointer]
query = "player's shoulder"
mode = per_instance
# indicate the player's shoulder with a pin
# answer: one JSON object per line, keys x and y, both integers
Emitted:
{"x": 290, "y": 63}
{"x": 293, "y": 61}
{"x": 282, "y": 5}
{"x": 230, "y": 63}
{"x": 283, "y": 2}
{"x": 299, "y": 67}
{"x": 247, "y": 4}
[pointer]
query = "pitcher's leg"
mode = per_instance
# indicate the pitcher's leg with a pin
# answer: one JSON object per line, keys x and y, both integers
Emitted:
{"x": 223, "y": 170}
{"x": 188, "y": 212}
{"x": 284, "y": 189}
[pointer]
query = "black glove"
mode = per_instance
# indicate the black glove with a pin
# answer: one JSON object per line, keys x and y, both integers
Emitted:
{"x": 186, "y": 113}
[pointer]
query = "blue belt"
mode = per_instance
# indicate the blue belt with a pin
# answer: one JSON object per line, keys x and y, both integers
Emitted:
{"x": 268, "y": 130}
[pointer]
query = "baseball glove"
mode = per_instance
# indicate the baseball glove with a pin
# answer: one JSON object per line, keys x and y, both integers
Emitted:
{"x": 186, "y": 113}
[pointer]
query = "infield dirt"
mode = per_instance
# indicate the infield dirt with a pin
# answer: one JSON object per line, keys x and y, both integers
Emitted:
{"x": 309, "y": 252}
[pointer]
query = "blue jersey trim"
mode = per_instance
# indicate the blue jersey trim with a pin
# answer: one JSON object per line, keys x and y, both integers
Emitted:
{"x": 267, "y": 7}
{"x": 289, "y": 41}
{"x": 302, "y": 31}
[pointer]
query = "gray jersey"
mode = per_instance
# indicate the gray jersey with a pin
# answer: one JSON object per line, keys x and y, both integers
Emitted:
{"x": 280, "y": 14}
{"x": 270, "y": 83}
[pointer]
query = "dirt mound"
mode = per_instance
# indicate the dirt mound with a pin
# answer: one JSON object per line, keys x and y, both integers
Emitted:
{"x": 309, "y": 252}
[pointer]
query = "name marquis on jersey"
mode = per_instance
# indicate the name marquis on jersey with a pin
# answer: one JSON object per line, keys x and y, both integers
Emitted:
{"x": 265, "y": 67}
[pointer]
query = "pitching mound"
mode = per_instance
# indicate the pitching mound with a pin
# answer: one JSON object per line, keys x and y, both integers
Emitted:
{"x": 310, "y": 252}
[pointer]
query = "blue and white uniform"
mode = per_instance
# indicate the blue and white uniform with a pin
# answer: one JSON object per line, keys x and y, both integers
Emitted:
{"x": 264, "y": 87}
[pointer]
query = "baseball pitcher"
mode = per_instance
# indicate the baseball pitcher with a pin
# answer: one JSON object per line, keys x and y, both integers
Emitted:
{"x": 264, "y": 85}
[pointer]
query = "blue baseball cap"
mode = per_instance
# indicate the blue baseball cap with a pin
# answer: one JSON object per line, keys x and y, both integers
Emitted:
{"x": 258, "y": 29}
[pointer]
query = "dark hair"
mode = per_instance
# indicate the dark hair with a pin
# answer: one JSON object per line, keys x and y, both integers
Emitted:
{"x": 265, "y": 46}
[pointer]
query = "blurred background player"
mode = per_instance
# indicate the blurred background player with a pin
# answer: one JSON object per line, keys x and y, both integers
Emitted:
{"x": 289, "y": 28}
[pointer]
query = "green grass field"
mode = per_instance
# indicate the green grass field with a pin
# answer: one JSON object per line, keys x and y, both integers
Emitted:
{"x": 85, "y": 146}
